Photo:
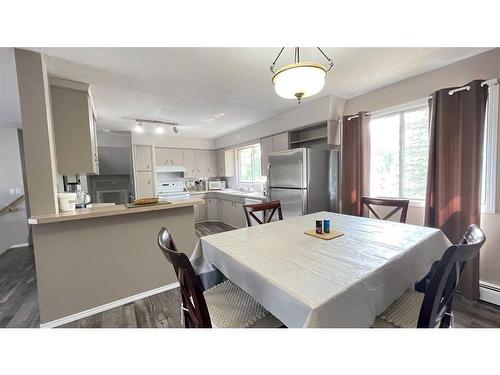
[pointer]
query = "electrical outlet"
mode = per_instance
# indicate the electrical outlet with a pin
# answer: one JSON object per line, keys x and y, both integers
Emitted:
{"x": 12, "y": 191}
{"x": 19, "y": 191}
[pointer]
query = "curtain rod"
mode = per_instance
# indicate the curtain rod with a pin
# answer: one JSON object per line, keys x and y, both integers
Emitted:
{"x": 493, "y": 81}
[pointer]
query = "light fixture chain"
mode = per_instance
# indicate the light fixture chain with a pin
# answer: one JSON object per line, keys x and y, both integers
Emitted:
{"x": 275, "y": 60}
{"x": 326, "y": 57}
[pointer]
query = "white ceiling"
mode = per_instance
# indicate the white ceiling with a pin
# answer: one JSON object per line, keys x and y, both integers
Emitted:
{"x": 191, "y": 86}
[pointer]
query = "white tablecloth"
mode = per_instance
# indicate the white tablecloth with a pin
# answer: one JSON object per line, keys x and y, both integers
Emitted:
{"x": 309, "y": 282}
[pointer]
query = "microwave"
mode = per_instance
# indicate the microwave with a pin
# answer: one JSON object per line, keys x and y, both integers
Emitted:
{"x": 216, "y": 185}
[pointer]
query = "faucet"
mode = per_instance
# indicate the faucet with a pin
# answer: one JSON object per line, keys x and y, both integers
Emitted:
{"x": 246, "y": 189}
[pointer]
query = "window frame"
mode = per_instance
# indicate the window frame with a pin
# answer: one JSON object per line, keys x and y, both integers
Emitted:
{"x": 238, "y": 164}
{"x": 400, "y": 110}
{"x": 490, "y": 153}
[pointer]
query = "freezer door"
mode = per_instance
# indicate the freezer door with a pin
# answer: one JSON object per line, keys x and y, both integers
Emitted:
{"x": 293, "y": 201}
{"x": 287, "y": 169}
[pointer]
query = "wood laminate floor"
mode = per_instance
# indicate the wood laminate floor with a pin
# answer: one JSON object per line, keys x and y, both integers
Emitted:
{"x": 19, "y": 300}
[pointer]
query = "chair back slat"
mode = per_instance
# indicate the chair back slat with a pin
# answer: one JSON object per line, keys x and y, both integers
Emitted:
{"x": 399, "y": 204}
{"x": 438, "y": 299}
{"x": 194, "y": 307}
{"x": 251, "y": 209}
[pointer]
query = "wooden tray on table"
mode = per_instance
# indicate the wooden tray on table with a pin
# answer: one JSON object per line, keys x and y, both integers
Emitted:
{"x": 324, "y": 236}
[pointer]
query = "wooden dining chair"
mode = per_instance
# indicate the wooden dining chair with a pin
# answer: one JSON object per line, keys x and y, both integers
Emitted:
{"x": 251, "y": 209}
{"x": 434, "y": 307}
{"x": 224, "y": 306}
{"x": 398, "y": 204}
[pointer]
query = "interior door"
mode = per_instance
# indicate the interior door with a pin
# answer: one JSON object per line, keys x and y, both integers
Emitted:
{"x": 293, "y": 201}
{"x": 287, "y": 169}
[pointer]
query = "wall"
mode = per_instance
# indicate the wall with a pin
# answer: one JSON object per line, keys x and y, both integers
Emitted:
{"x": 13, "y": 226}
{"x": 322, "y": 109}
{"x": 482, "y": 66}
{"x": 167, "y": 140}
{"x": 38, "y": 132}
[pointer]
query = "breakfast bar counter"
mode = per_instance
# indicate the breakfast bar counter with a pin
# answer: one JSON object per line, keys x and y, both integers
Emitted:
{"x": 121, "y": 209}
{"x": 94, "y": 259}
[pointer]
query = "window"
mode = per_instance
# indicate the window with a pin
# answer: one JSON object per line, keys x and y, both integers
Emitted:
{"x": 488, "y": 192}
{"x": 249, "y": 165}
{"x": 399, "y": 152}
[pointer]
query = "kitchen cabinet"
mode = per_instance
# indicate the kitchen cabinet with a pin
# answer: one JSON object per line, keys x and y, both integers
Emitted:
{"x": 225, "y": 163}
{"x": 280, "y": 142}
{"x": 212, "y": 164}
{"x": 212, "y": 209}
{"x": 143, "y": 158}
{"x": 144, "y": 184}
{"x": 268, "y": 145}
{"x": 200, "y": 211}
{"x": 169, "y": 156}
{"x": 74, "y": 123}
{"x": 201, "y": 163}
{"x": 231, "y": 213}
{"x": 195, "y": 163}
{"x": 190, "y": 163}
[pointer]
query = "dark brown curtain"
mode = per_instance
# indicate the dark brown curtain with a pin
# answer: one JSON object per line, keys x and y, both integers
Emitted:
{"x": 355, "y": 162}
{"x": 453, "y": 199}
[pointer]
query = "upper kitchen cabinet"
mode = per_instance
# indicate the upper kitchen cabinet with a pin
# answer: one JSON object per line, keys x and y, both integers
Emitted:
{"x": 268, "y": 145}
{"x": 143, "y": 158}
{"x": 280, "y": 142}
{"x": 225, "y": 163}
{"x": 195, "y": 162}
{"x": 212, "y": 164}
{"x": 74, "y": 122}
{"x": 169, "y": 156}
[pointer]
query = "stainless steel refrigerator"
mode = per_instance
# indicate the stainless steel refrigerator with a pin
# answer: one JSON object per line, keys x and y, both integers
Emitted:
{"x": 304, "y": 180}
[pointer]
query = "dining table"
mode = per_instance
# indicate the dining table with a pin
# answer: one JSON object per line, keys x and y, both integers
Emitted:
{"x": 307, "y": 281}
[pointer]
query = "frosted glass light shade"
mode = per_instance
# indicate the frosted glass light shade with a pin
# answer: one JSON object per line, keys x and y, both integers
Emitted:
{"x": 300, "y": 80}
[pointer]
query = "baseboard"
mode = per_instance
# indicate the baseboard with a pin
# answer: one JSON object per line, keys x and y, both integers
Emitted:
{"x": 489, "y": 292}
{"x": 16, "y": 246}
{"x": 19, "y": 245}
{"x": 107, "y": 306}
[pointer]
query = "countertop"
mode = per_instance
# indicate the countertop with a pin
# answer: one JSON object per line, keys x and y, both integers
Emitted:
{"x": 234, "y": 193}
{"x": 92, "y": 213}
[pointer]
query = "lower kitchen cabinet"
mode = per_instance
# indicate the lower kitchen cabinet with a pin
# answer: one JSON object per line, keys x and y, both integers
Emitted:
{"x": 200, "y": 211}
{"x": 212, "y": 209}
{"x": 144, "y": 184}
{"x": 231, "y": 213}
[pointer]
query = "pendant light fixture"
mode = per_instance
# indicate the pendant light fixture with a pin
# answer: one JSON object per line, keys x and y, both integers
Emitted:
{"x": 300, "y": 79}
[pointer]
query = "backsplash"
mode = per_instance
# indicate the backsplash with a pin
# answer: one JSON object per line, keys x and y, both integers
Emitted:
{"x": 232, "y": 183}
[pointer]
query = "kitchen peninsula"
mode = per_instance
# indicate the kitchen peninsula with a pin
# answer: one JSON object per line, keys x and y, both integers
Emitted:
{"x": 90, "y": 258}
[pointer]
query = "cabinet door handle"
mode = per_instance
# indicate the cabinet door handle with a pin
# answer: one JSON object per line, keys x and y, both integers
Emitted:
{"x": 149, "y": 182}
{"x": 147, "y": 166}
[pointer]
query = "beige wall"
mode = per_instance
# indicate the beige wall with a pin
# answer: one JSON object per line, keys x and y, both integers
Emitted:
{"x": 38, "y": 133}
{"x": 483, "y": 66}
{"x": 13, "y": 225}
{"x": 326, "y": 108}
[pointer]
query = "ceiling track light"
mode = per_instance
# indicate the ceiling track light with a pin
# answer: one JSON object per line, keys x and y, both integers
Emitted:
{"x": 159, "y": 125}
{"x": 138, "y": 127}
{"x": 300, "y": 79}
